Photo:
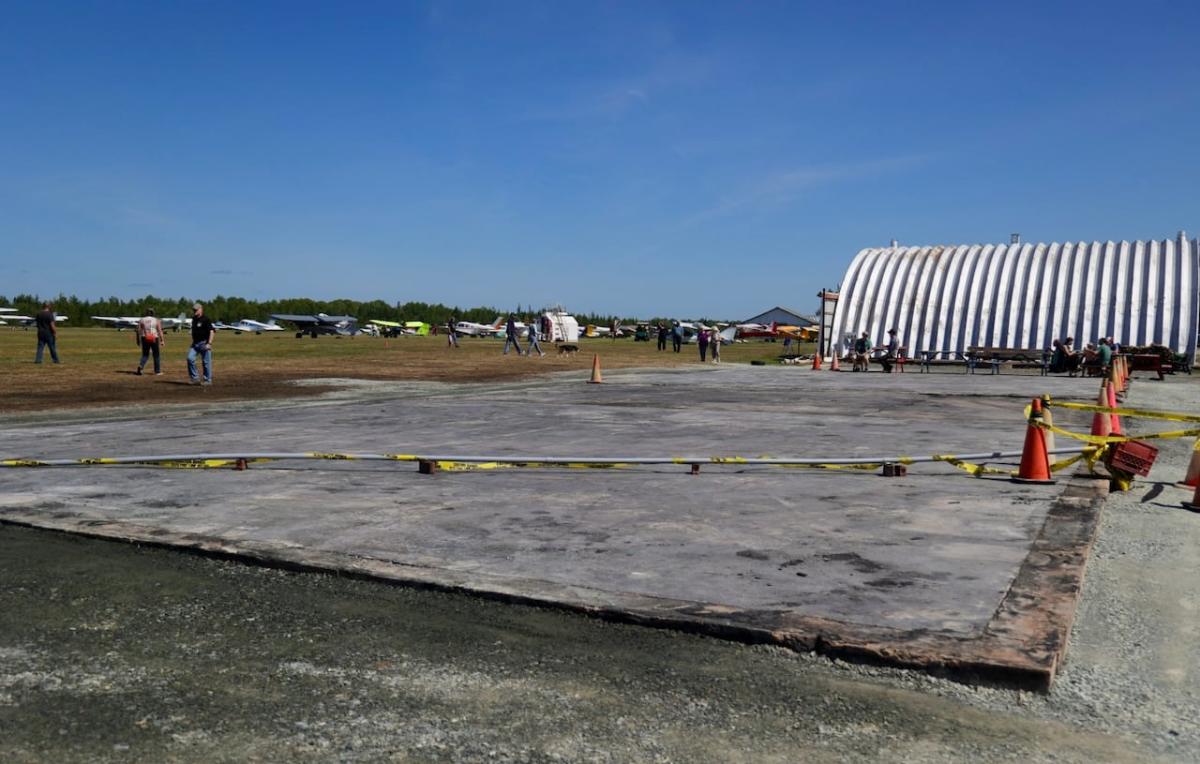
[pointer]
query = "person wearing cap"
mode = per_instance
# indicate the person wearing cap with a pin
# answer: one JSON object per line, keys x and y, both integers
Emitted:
{"x": 203, "y": 334}
{"x": 892, "y": 350}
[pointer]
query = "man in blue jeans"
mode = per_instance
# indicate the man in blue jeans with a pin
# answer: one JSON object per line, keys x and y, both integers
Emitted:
{"x": 203, "y": 334}
{"x": 510, "y": 335}
{"x": 47, "y": 333}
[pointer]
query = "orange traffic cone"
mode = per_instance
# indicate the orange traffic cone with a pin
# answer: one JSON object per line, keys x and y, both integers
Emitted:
{"x": 1112, "y": 404}
{"x": 834, "y": 365}
{"x": 1194, "y": 504}
{"x": 816, "y": 362}
{"x": 1035, "y": 461}
{"x": 1192, "y": 480}
{"x": 1102, "y": 423}
{"x": 596, "y": 378}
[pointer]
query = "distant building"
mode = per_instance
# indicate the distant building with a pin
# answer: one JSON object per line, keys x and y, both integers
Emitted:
{"x": 781, "y": 316}
{"x": 1019, "y": 295}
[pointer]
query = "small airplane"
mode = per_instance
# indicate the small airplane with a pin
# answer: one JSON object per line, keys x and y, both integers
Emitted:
{"x": 775, "y": 330}
{"x": 130, "y": 322}
{"x": 398, "y": 328}
{"x": 496, "y": 328}
{"x": 250, "y": 325}
{"x": 472, "y": 329}
{"x": 9, "y": 314}
{"x": 319, "y": 324}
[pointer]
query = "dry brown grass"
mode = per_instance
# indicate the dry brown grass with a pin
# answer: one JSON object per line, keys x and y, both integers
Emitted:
{"x": 97, "y": 365}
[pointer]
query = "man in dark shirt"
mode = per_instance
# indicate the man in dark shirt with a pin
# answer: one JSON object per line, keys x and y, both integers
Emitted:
{"x": 510, "y": 335}
{"x": 47, "y": 333}
{"x": 203, "y": 334}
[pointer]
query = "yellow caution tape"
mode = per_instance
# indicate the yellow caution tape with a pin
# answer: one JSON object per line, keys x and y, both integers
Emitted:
{"x": 1142, "y": 413}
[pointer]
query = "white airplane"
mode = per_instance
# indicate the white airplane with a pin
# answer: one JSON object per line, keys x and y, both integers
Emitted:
{"x": 472, "y": 329}
{"x": 130, "y": 322}
{"x": 250, "y": 325}
{"x": 118, "y": 322}
{"x": 25, "y": 321}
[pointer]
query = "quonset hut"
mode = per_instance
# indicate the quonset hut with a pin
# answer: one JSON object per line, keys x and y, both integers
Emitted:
{"x": 1023, "y": 296}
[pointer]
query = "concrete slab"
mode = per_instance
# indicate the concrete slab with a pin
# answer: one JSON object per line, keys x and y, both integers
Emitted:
{"x": 938, "y": 570}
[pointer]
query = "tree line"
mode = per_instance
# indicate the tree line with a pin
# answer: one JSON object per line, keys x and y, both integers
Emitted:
{"x": 220, "y": 308}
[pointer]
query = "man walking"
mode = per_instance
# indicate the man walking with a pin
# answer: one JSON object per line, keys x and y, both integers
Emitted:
{"x": 150, "y": 338}
{"x": 510, "y": 335}
{"x": 203, "y": 334}
{"x": 662, "y": 336}
{"x": 676, "y": 337}
{"x": 533, "y": 339}
{"x": 452, "y": 332}
{"x": 47, "y": 332}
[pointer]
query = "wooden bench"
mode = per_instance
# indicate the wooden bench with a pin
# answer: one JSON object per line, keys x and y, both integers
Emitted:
{"x": 880, "y": 357}
{"x": 929, "y": 359}
{"x": 1030, "y": 358}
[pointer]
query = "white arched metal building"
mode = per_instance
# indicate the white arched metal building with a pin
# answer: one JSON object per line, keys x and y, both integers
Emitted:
{"x": 952, "y": 298}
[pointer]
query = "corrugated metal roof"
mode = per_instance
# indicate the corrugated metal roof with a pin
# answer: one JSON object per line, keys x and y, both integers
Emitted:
{"x": 950, "y": 298}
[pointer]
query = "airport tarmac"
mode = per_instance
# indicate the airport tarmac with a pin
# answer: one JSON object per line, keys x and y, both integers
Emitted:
{"x": 937, "y": 569}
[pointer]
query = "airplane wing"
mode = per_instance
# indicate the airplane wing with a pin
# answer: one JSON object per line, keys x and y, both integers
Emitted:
{"x": 119, "y": 322}
{"x": 391, "y": 324}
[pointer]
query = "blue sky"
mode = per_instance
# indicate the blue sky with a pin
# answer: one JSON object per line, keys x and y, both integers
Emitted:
{"x": 637, "y": 158}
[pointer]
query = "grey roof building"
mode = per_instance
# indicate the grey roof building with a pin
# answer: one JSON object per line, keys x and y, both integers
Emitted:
{"x": 781, "y": 316}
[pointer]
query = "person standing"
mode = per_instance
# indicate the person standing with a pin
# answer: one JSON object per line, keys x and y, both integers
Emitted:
{"x": 1104, "y": 355}
{"x": 47, "y": 332}
{"x": 510, "y": 335}
{"x": 702, "y": 341}
{"x": 662, "y": 336}
{"x": 452, "y": 332}
{"x": 150, "y": 339}
{"x": 532, "y": 326}
{"x": 613, "y": 328}
{"x": 715, "y": 346}
{"x": 203, "y": 334}
{"x": 891, "y": 352}
{"x": 862, "y": 353}
{"x": 676, "y": 337}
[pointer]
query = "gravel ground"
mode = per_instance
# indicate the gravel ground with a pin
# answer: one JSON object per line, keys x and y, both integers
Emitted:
{"x": 111, "y": 652}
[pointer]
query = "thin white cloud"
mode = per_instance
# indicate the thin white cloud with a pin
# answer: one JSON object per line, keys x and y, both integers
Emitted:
{"x": 618, "y": 98}
{"x": 781, "y": 188}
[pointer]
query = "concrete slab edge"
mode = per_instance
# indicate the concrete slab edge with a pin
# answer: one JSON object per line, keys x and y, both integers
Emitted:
{"x": 1022, "y": 646}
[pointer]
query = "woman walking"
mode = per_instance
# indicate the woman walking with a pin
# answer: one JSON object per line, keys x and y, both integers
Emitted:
{"x": 150, "y": 339}
{"x": 702, "y": 341}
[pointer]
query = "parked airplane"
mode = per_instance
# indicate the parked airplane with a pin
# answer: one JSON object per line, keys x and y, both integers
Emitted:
{"x": 130, "y": 322}
{"x": 398, "y": 328}
{"x": 319, "y": 324}
{"x": 250, "y": 325}
{"x": 775, "y": 331}
{"x": 25, "y": 321}
{"x": 472, "y": 329}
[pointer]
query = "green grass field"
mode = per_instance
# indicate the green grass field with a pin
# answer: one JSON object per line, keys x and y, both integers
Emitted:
{"x": 98, "y": 364}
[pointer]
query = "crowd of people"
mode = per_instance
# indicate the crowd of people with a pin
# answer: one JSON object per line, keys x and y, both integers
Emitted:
{"x": 148, "y": 334}
{"x": 1066, "y": 359}
{"x": 708, "y": 341}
